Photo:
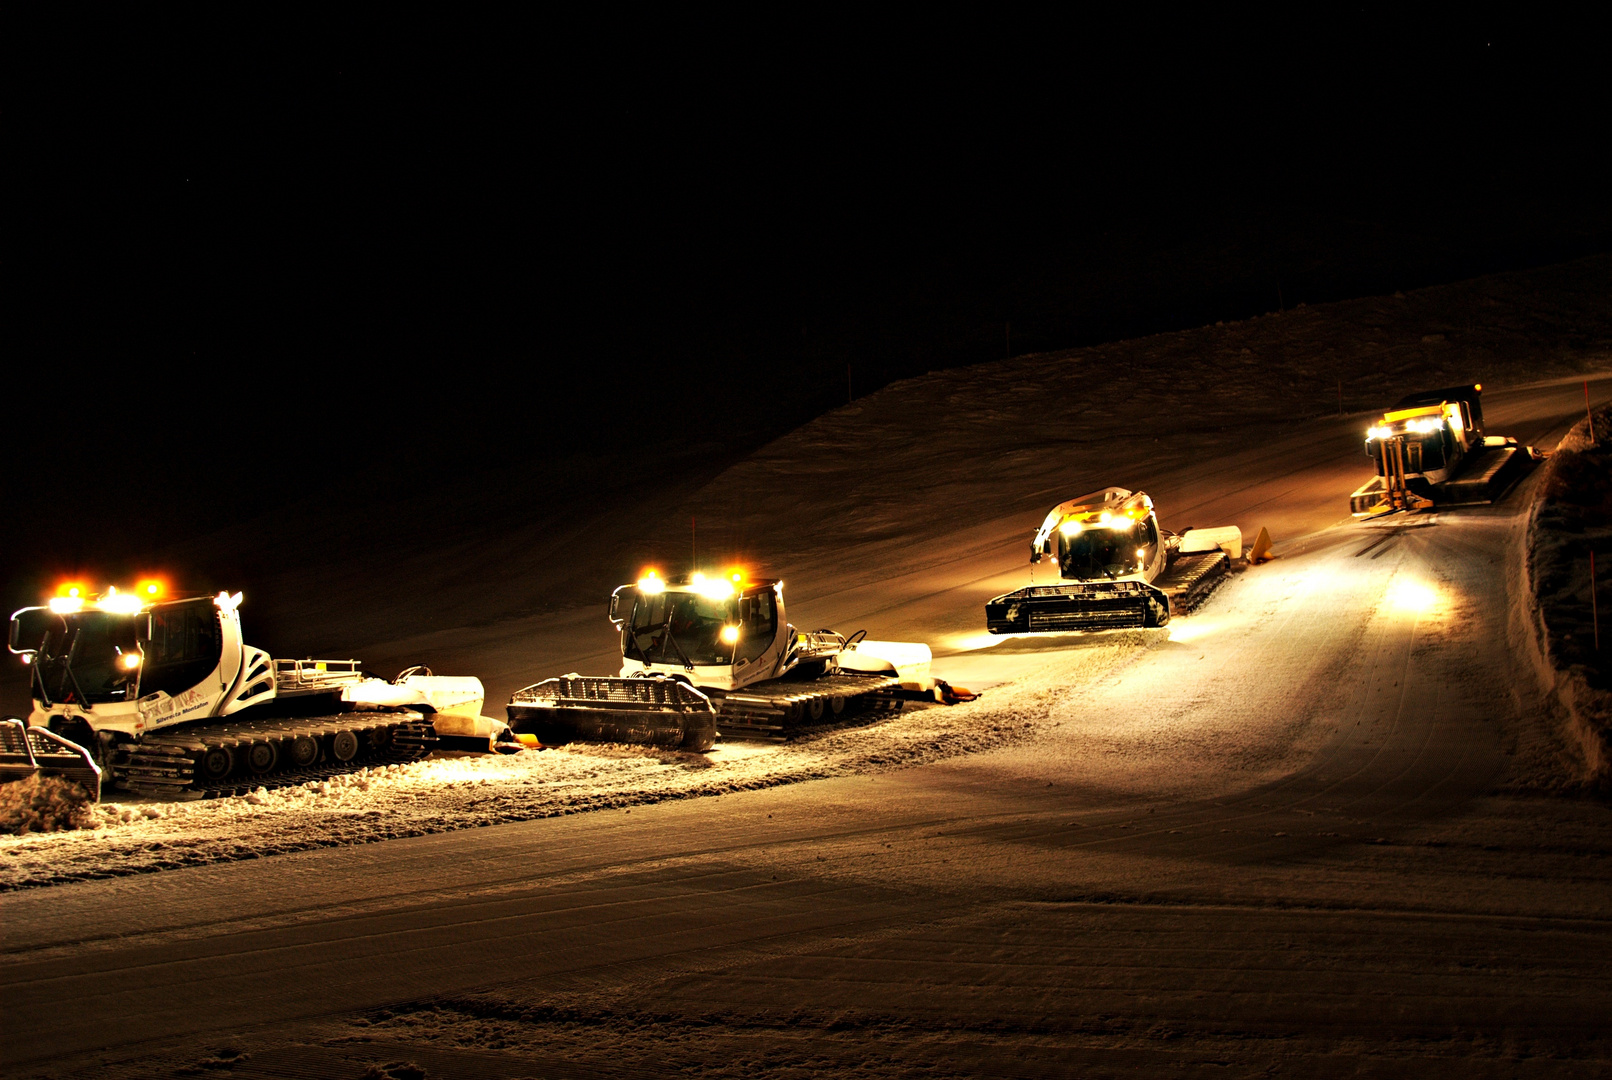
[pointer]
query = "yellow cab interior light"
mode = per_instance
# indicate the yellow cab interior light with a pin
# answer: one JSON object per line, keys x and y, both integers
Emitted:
{"x": 1070, "y": 527}
{"x": 129, "y": 661}
{"x": 730, "y": 634}
{"x": 62, "y": 605}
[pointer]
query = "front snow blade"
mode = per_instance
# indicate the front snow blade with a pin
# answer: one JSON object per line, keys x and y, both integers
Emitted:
{"x": 26, "y": 750}
{"x": 1091, "y": 605}
{"x": 655, "y": 711}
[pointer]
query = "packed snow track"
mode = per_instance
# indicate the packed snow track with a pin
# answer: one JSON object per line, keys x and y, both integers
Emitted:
{"x": 1300, "y": 830}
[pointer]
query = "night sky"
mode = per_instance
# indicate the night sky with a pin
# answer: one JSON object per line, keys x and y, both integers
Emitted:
{"x": 251, "y": 258}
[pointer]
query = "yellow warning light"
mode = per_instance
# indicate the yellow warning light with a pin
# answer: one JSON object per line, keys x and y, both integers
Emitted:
{"x": 70, "y": 597}
{"x": 651, "y": 583}
{"x": 1478, "y": 387}
{"x": 150, "y": 588}
{"x": 730, "y": 634}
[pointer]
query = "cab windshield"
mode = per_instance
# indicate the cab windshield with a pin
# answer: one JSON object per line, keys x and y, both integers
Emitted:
{"x": 78, "y": 658}
{"x": 686, "y": 628}
{"x": 1101, "y": 554}
{"x": 1424, "y": 451}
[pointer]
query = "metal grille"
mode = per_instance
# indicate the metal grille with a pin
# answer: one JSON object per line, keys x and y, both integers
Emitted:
{"x": 1106, "y": 617}
{"x": 583, "y": 690}
{"x": 293, "y": 677}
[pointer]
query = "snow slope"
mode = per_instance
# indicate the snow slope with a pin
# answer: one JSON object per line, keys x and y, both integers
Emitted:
{"x": 902, "y": 514}
{"x": 1302, "y": 831}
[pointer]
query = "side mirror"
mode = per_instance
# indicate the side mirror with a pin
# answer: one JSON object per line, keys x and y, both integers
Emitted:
{"x": 617, "y": 616}
{"x": 28, "y": 629}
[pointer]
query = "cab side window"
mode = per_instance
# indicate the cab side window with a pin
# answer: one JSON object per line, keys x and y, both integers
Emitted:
{"x": 185, "y": 645}
{"x": 758, "y": 624}
{"x": 1147, "y": 538}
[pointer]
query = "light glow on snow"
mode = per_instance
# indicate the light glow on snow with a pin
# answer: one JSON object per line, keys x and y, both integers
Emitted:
{"x": 1196, "y": 628}
{"x": 970, "y": 642}
{"x": 1411, "y": 597}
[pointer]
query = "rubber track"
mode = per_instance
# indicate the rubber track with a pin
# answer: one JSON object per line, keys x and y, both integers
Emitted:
{"x": 164, "y": 763}
{"x": 746, "y": 714}
{"x": 1192, "y": 578}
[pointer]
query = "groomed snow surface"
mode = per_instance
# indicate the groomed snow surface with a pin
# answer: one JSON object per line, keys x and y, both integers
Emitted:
{"x": 1316, "y": 828}
{"x": 127, "y": 836}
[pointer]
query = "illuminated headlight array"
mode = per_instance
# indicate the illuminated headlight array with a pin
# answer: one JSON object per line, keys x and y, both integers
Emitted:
{"x": 1105, "y": 520}
{"x": 72, "y": 596}
{"x": 711, "y": 588}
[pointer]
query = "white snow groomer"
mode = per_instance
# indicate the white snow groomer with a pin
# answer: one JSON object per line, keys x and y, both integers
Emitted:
{"x": 707, "y": 656}
{"x": 162, "y": 696}
{"x": 1117, "y": 568}
{"x": 1430, "y": 450}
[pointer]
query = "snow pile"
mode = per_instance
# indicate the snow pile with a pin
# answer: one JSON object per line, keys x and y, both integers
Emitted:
{"x": 448, "y": 793}
{"x": 1571, "y": 519}
{"x": 42, "y": 804}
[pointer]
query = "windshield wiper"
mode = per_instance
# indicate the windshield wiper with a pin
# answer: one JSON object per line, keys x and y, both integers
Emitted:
{"x": 688, "y": 665}
{"x": 668, "y": 636}
{"x": 72, "y": 676}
